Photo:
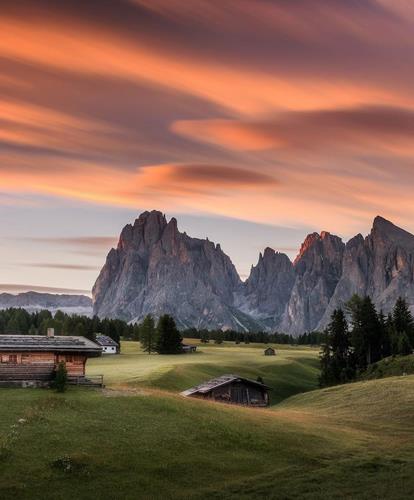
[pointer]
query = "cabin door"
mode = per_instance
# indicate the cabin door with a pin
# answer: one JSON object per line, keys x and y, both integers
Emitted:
{"x": 239, "y": 394}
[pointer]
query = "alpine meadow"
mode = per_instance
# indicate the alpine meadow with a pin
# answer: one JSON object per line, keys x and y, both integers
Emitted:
{"x": 207, "y": 250}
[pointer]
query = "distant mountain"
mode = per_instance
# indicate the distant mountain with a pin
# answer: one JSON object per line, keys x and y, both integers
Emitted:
{"x": 156, "y": 269}
{"x": 34, "y": 301}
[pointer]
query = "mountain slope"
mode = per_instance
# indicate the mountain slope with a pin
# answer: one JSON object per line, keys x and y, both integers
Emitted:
{"x": 156, "y": 269}
{"x": 380, "y": 265}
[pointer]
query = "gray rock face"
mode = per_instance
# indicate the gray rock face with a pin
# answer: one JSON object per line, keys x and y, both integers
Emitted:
{"x": 156, "y": 270}
{"x": 381, "y": 266}
{"x": 318, "y": 268}
{"x": 266, "y": 292}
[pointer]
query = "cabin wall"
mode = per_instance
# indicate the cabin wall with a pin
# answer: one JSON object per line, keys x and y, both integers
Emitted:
{"x": 75, "y": 363}
{"x": 240, "y": 393}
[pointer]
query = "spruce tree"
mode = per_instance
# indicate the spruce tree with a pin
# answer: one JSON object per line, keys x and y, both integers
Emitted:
{"x": 404, "y": 346}
{"x": 169, "y": 338}
{"x": 366, "y": 332}
{"x": 336, "y": 356}
{"x": 148, "y": 335}
{"x": 403, "y": 320}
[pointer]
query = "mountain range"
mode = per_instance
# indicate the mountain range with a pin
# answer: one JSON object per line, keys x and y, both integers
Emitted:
{"x": 34, "y": 301}
{"x": 157, "y": 269}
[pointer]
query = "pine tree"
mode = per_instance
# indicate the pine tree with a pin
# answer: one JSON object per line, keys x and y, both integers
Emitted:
{"x": 403, "y": 320}
{"x": 336, "y": 356}
{"x": 169, "y": 338}
{"x": 148, "y": 335}
{"x": 366, "y": 332}
{"x": 404, "y": 346}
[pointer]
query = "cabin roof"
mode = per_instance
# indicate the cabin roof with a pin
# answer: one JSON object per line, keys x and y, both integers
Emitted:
{"x": 208, "y": 386}
{"x": 106, "y": 341}
{"x": 43, "y": 343}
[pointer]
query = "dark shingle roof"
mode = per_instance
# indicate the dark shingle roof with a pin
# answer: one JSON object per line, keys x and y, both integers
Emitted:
{"x": 104, "y": 340}
{"x": 48, "y": 344}
{"x": 206, "y": 387}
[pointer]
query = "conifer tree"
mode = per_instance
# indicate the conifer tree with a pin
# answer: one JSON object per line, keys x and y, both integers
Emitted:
{"x": 336, "y": 355}
{"x": 366, "y": 332}
{"x": 148, "y": 335}
{"x": 403, "y": 320}
{"x": 169, "y": 339}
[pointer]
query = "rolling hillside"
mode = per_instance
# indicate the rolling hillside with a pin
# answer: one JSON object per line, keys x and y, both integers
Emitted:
{"x": 139, "y": 439}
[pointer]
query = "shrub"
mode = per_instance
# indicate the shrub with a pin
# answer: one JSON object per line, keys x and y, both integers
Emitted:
{"x": 61, "y": 379}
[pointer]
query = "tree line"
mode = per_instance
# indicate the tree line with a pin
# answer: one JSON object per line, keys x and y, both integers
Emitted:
{"x": 20, "y": 322}
{"x": 368, "y": 337}
{"x": 219, "y": 336}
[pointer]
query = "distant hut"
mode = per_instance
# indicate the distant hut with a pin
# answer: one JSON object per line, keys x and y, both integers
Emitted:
{"x": 109, "y": 346}
{"x": 269, "y": 352}
{"x": 232, "y": 389}
{"x": 188, "y": 348}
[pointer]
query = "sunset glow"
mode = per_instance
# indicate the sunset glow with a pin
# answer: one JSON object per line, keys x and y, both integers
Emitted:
{"x": 286, "y": 117}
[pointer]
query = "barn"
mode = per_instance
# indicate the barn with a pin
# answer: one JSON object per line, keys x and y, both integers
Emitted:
{"x": 269, "y": 352}
{"x": 109, "y": 346}
{"x": 32, "y": 359}
{"x": 232, "y": 389}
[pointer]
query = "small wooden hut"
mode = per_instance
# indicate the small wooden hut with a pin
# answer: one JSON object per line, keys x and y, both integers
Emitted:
{"x": 188, "y": 348}
{"x": 269, "y": 351}
{"x": 232, "y": 389}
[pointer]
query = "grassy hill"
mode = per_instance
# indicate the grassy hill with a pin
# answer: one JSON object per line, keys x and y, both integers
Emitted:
{"x": 292, "y": 370}
{"x": 142, "y": 440}
{"x": 390, "y": 367}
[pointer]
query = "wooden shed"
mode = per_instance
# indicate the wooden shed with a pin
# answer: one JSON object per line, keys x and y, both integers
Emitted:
{"x": 188, "y": 348}
{"x": 34, "y": 358}
{"x": 232, "y": 389}
{"x": 269, "y": 351}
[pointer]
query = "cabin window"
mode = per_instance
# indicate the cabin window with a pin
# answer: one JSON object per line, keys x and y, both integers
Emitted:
{"x": 69, "y": 359}
{"x": 12, "y": 358}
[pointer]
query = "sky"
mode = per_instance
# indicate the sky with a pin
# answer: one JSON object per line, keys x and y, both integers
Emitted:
{"x": 252, "y": 122}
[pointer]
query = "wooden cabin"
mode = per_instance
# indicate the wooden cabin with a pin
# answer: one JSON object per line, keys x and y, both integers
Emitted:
{"x": 269, "y": 352}
{"x": 188, "y": 348}
{"x": 232, "y": 389}
{"x": 109, "y": 346}
{"x": 34, "y": 358}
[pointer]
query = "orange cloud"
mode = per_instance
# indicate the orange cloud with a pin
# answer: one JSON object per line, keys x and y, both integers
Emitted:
{"x": 88, "y": 49}
{"x": 380, "y": 128}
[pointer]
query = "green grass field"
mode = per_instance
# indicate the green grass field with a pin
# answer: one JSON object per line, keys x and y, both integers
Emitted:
{"x": 291, "y": 371}
{"x": 139, "y": 439}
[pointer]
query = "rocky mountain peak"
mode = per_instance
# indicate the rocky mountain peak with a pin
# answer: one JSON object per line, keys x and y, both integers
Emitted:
{"x": 385, "y": 231}
{"x": 157, "y": 269}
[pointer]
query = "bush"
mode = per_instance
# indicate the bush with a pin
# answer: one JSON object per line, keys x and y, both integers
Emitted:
{"x": 61, "y": 379}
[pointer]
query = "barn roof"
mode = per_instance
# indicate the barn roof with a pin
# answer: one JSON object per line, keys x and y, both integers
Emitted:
{"x": 206, "y": 387}
{"x": 106, "y": 341}
{"x": 48, "y": 344}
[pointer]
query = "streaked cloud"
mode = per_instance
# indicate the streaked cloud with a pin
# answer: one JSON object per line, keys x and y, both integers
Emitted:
{"x": 286, "y": 113}
{"x": 79, "y": 242}
{"x": 65, "y": 267}
{"x": 22, "y": 288}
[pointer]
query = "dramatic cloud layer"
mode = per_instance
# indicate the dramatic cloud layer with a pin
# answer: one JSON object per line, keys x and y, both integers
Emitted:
{"x": 294, "y": 113}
